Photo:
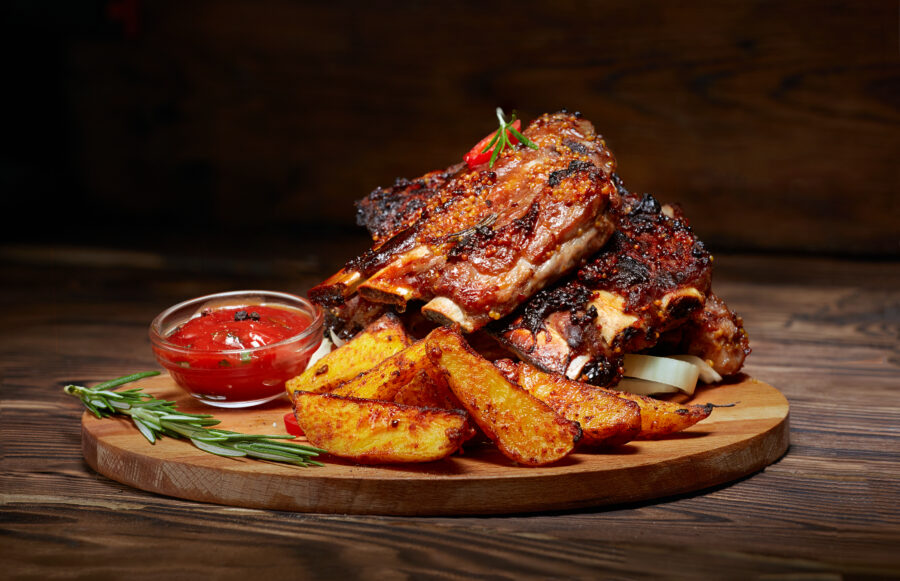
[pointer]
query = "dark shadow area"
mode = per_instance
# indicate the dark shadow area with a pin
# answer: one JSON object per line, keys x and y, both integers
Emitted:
{"x": 211, "y": 128}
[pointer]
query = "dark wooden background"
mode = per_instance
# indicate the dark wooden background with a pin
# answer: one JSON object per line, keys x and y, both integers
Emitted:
{"x": 774, "y": 123}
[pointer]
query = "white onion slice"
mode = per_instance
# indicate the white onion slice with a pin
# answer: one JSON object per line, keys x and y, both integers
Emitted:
{"x": 644, "y": 387}
{"x": 707, "y": 373}
{"x": 338, "y": 342}
{"x": 575, "y": 367}
{"x": 679, "y": 374}
{"x": 325, "y": 347}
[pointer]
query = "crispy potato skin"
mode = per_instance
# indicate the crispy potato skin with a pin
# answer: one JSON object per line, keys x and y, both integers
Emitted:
{"x": 388, "y": 377}
{"x": 379, "y": 432}
{"x": 525, "y": 429}
{"x": 380, "y": 340}
{"x": 606, "y": 419}
{"x": 424, "y": 391}
{"x": 660, "y": 418}
{"x": 402, "y": 378}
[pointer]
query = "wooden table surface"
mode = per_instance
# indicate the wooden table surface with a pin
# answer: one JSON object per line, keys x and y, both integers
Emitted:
{"x": 824, "y": 331}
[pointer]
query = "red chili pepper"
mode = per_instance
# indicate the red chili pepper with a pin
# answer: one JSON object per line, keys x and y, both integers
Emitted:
{"x": 291, "y": 425}
{"x": 477, "y": 157}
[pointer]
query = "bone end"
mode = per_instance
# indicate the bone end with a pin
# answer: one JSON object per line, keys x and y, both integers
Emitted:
{"x": 445, "y": 312}
{"x": 387, "y": 294}
{"x": 335, "y": 290}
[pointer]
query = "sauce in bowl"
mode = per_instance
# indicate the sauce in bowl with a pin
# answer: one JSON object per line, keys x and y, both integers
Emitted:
{"x": 236, "y": 328}
{"x": 237, "y": 349}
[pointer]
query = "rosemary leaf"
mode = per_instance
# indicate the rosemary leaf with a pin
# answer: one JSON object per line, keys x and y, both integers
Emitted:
{"x": 146, "y": 416}
{"x": 123, "y": 380}
{"x": 257, "y": 452}
{"x": 495, "y": 154}
{"x": 146, "y": 430}
{"x": 491, "y": 142}
{"x": 522, "y": 138}
{"x": 217, "y": 450}
{"x": 266, "y": 447}
{"x": 247, "y": 437}
{"x": 196, "y": 435}
{"x": 93, "y": 410}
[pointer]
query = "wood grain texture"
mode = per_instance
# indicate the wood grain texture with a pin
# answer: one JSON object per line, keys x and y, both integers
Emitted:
{"x": 732, "y": 443}
{"x": 748, "y": 113}
{"x": 825, "y": 331}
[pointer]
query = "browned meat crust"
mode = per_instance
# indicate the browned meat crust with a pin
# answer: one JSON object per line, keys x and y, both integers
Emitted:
{"x": 715, "y": 334}
{"x": 651, "y": 276}
{"x": 349, "y": 318}
{"x": 485, "y": 240}
{"x": 386, "y": 211}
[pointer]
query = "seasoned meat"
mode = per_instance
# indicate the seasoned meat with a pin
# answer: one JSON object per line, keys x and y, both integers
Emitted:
{"x": 481, "y": 241}
{"x": 650, "y": 277}
{"x": 467, "y": 242}
{"x": 715, "y": 334}
{"x": 386, "y": 211}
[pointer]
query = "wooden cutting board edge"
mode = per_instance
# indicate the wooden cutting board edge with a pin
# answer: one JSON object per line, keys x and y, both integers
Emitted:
{"x": 192, "y": 475}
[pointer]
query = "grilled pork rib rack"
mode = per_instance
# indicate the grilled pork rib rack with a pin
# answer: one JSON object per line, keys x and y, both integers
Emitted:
{"x": 481, "y": 241}
{"x": 547, "y": 250}
{"x": 652, "y": 277}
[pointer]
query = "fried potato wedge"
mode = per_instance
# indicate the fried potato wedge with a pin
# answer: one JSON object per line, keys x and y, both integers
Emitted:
{"x": 605, "y": 419}
{"x": 387, "y": 377}
{"x": 401, "y": 378}
{"x": 380, "y": 340}
{"x": 379, "y": 432}
{"x": 525, "y": 429}
{"x": 424, "y": 391}
{"x": 660, "y": 418}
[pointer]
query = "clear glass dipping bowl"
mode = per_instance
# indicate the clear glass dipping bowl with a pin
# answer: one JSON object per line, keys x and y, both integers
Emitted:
{"x": 236, "y": 378}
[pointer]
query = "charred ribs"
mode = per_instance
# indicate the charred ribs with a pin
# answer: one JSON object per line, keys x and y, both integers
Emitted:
{"x": 547, "y": 250}
{"x": 473, "y": 244}
{"x": 653, "y": 278}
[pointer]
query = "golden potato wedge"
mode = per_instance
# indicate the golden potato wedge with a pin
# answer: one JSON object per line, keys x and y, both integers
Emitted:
{"x": 388, "y": 377}
{"x": 424, "y": 391}
{"x": 401, "y": 378}
{"x": 379, "y": 432}
{"x": 660, "y": 418}
{"x": 369, "y": 347}
{"x": 606, "y": 419}
{"x": 525, "y": 429}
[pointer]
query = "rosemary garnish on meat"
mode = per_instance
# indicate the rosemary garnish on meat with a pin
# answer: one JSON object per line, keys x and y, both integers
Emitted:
{"x": 155, "y": 418}
{"x": 501, "y": 137}
{"x": 485, "y": 222}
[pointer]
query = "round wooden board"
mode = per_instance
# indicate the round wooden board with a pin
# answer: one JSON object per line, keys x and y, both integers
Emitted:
{"x": 733, "y": 442}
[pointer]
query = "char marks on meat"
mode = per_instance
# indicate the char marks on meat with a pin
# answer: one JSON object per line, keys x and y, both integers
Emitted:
{"x": 386, "y": 211}
{"x": 651, "y": 276}
{"x": 473, "y": 244}
{"x": 714, "y": 333}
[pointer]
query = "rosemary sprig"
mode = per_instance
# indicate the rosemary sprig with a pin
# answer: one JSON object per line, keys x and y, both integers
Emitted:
{"x": 501, "y": 141}
{"x": 454, "y": 237}
{"x": 157, "y": 417}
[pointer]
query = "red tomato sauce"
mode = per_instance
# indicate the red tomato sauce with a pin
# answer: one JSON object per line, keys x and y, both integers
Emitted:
{"x": 222, "y": 359}
{"x": 239, "y": 328}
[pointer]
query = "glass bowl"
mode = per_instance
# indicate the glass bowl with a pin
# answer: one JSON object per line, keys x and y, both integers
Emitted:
{"x": 240, "y": 377}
